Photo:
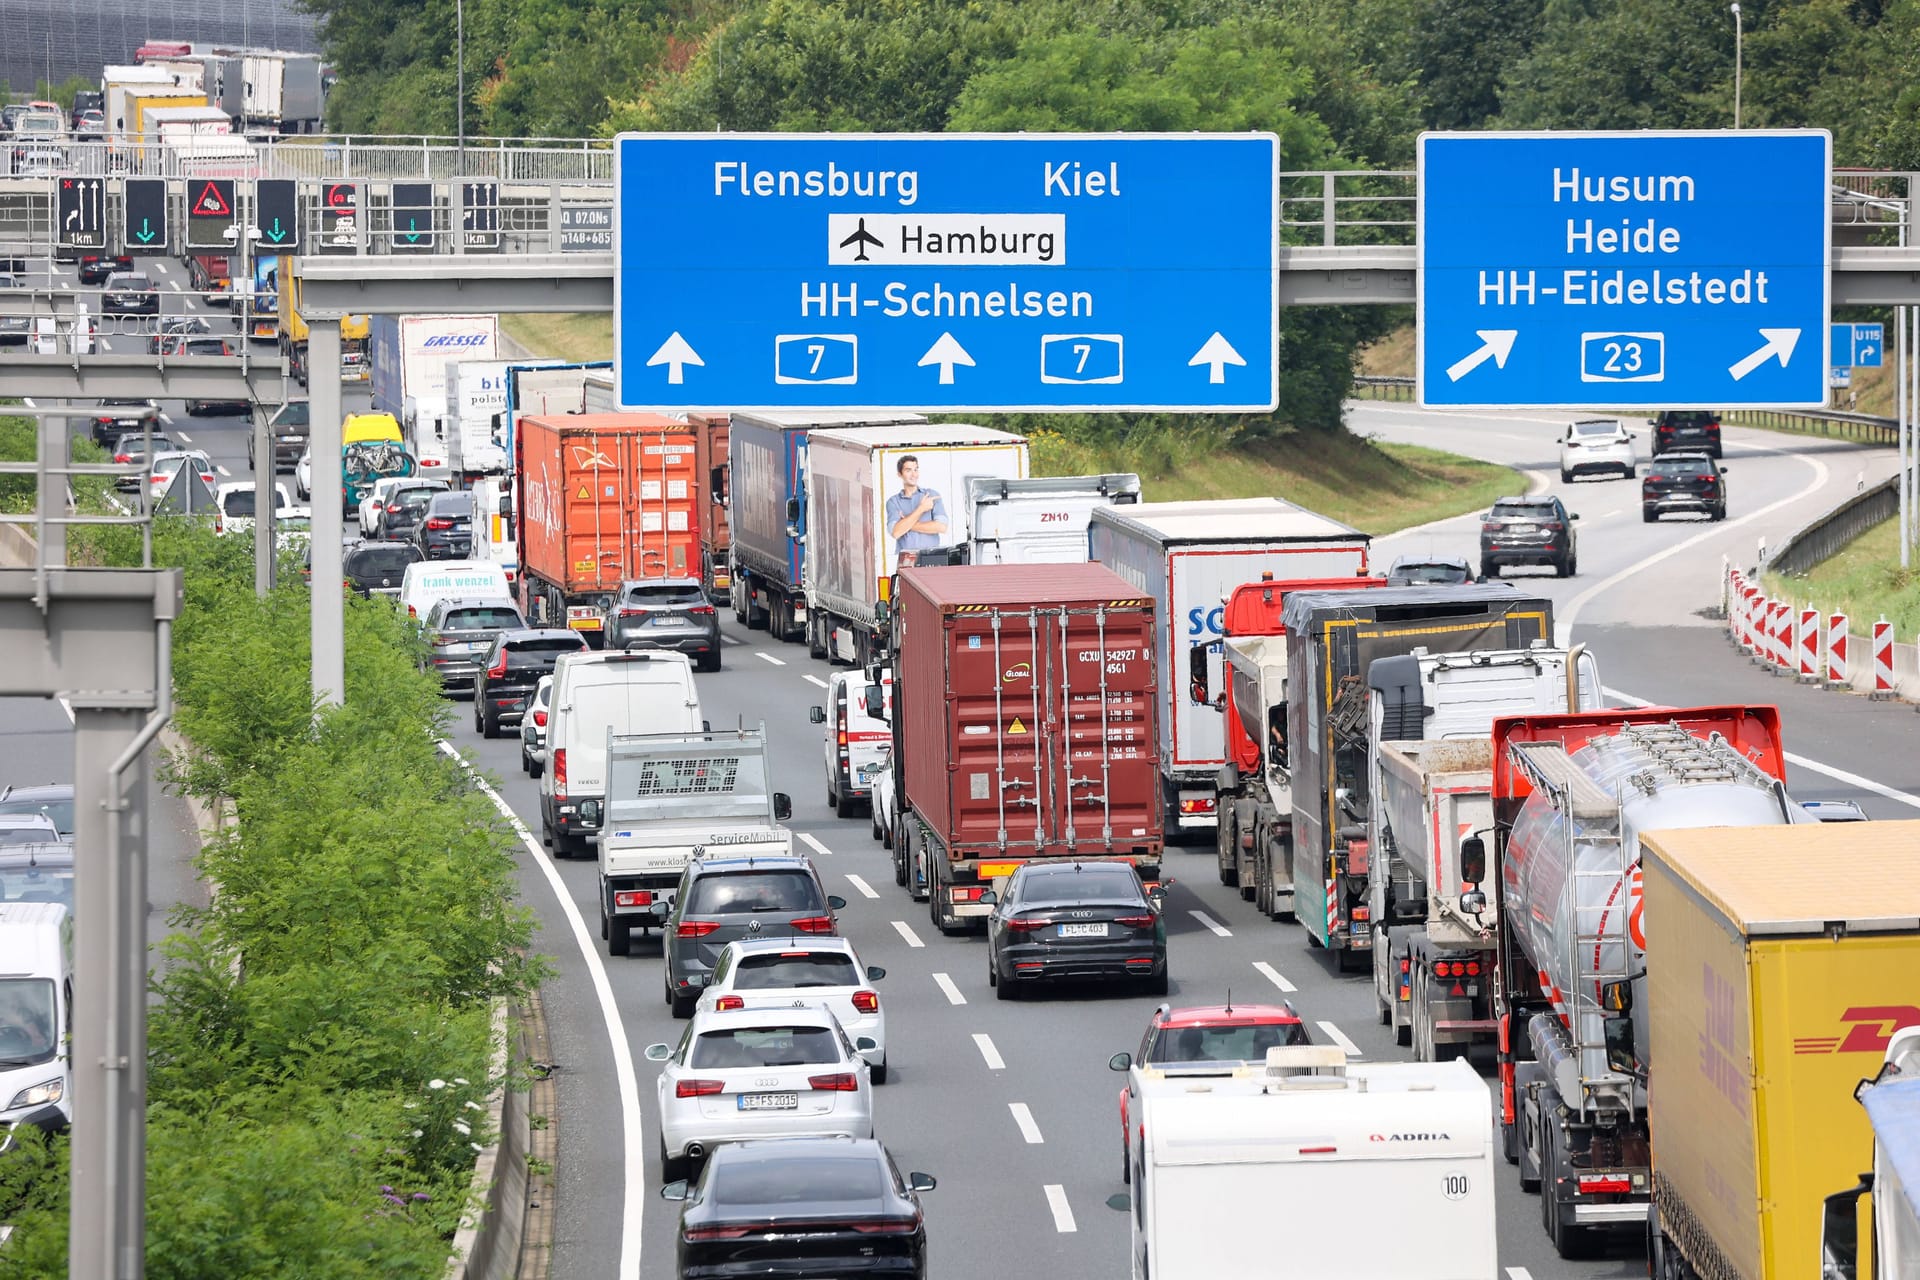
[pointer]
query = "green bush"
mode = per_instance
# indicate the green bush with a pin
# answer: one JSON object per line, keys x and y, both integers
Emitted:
{"x": 321, "y": 1047}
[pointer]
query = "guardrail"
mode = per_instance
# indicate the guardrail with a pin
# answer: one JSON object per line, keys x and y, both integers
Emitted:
{"x": 1828, "y": 534}
{"x": 1368, "y": 386}
{"x": 1819, "y": 422}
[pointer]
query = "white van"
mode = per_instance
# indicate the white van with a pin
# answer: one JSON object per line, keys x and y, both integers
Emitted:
{"x": 429, "y": 580}
{"x": 853, "y": 739}
{"x": 594, "y": 694}
{"x": 36, "y": 1017}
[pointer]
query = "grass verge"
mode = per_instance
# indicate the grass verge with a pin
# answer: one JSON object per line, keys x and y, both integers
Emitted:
{"x": 1865, "y": 582}
{"x": 571, "y": 336}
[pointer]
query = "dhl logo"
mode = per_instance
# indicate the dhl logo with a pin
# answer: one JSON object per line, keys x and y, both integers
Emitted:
{"x": 1870, "y": 1028}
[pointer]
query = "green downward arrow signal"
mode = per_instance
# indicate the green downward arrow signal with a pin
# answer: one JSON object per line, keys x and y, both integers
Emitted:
{"x": 276, "y": 235}
{"x": 145, "y": 234}
{"x": 413, "y": 229}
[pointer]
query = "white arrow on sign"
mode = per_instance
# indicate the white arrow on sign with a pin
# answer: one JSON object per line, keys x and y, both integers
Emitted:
{"x": 1495, "y": 344}
{"x": 1780, "y": 342}
{"x": 1865, "y": 352}
{"x": 676, "y": 355}
{"x": 946, "y": 352}
{"x": 1216, "y": 353}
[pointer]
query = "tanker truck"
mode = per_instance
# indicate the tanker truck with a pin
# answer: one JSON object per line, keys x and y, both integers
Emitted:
{"x": 1571, "y": 795}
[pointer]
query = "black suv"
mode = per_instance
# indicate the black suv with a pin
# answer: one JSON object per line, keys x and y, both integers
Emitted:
{"x": 399, "y": 516}
{"x": 1528, "y": 531}
{"x": 445, "y": 531}
{"x": 512, "y": 669}
{"x": 1690, "y": 429}
{"x": 721, "y": 899}
{"x": 376, "y": 568}
{"x": 1683, "y": 482}
{"x": 118, "y": 416}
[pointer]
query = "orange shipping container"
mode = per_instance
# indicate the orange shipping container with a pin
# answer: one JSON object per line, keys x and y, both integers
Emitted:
{"x": 606, "y": 497}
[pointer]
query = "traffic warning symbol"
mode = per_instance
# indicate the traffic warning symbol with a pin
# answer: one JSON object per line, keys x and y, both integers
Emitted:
{"x": 212, "y": 202}
{"x": 1016, "y": 726}
{"x": 585, "y": 495}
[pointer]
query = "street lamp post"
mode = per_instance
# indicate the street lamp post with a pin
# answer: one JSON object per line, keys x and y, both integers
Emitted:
{"x": 1736, "y": 65}
{"x": 460, "y": 81}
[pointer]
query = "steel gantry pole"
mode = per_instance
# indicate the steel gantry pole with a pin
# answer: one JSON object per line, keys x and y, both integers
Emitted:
{"x": 329, "y": 606}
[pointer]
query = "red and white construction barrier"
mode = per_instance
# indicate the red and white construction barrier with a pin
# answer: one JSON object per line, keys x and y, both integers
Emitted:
{"x": 1783, "y": 635}
{"x": 1806, "y": 643}
{"x": 1882, "y": 659}
{"x": 1837, "y": 649}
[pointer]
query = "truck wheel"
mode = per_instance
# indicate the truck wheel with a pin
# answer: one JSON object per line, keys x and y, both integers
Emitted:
{"x": 619, "y": 937}
{"x": 816, "y": 638}
{"x": 1223, "y": 851}
{"x": 1572, "y": 1242}
{"x": 1527, "y": 1076}
{"x": 899, "y": 865}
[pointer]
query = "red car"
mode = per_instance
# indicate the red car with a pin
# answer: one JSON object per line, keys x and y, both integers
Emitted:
{"x": 1202, "y": 1040}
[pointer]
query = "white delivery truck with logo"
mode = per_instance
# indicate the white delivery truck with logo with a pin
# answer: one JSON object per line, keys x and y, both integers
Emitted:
{"x": 1189, "y": 557}
{"x": 1040, "y": 520}
{"x": 476, "y": 401}
{"x": 1248, "y": 1174}
{"x": 410, "y": 358}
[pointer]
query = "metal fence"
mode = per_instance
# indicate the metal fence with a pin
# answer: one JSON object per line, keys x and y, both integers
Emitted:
{"x": 1832, "y": 423}
{"x": 329, "y": 157}
{"x": 1830, "y": 534}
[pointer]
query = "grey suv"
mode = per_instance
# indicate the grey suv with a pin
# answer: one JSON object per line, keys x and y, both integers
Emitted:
{"x": 721, "y": 899}
{"x": 1528, "y": 531}
{"x": 460, "y": 632}
{"x": 665, "y": 613}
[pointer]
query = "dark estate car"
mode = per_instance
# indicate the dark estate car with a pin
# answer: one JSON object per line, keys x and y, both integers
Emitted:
{"x": 289, "y": 429}
{"x": 511, "y": 670}
{"x": 1683, "y": 482}
{"x": 376, "y": 568}
{"x": 796, "y": 1208}
{"x": 723, "y": 898}
{"x": 1528, "y": 531}
{"x": 130, "y": 293}
{"x": 461, "y": 631}
{"x": 118, "y": 416}
{"x": 671, "y": 613}
{"x": 1074, "y": 920}
{"x": 95, "y": 268}
{"x": 130, "y": 448}
{"x": 1675, "y": 429}
{"x": 445, "y": 531}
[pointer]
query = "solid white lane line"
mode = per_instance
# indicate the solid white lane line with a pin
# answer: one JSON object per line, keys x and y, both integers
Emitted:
{"x": 811, "y": 678}
{"x": 1339, "y": 1037}
{"x": 1219, "y": 930}
{"x": 626, "y": 1080}
{"x": 183, "y": 437}
{"x": 913, "y": 939}
{"x": 767, "y": 657}
{"x": 1803, "y": 762}
{"x": 1024, "y": 1118}
{"x": 866, "y": 890}
{"x": 985, "y": 1044}
{"x": 815, "y": 845}
{"x": 946, "y": 985}
{"x": 1062, "y": 1212}
{"x": 1274, "y": 976}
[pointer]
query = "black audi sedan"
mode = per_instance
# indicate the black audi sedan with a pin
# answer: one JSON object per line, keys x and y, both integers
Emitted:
{"x": 1071, "y": 921}
{"x": 798, "y": 1208}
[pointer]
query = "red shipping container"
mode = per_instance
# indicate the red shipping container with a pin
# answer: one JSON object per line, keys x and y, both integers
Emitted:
{"x": 607, "y": 497}
{"x": 712, "y": 429}
{"x": 1027, "y": 697}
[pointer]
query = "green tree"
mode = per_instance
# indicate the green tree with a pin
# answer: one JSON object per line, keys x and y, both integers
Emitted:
{"x": 1463, "y": 49}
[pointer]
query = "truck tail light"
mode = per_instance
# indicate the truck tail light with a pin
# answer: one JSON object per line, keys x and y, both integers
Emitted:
{"x": 695, "y": 928}
{"x": 698, "y": 1088}
{"x": 1604, "y": 1184}
{"x": 727, "y": 1003}
{"x": 1406, "y": 965}
{"x": 1202, "y": 804}
{"x": 838, "y": 1082}
{"x": 866, "y": 1001}
{"x": 814, "y": 924}
{"x": 1473, "y": 968}
{"x": 633, "y": 898}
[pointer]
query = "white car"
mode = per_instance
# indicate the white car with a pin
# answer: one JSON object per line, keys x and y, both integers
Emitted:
{"x": 758, "y": 1073}
{"x": 773, "y": 973}
{"x": 292, "y": 527}
{"x": 533, "y": 729}
{"x": 1596, "y": 444}
{"x": 877, "y": 776}
{"x": 160, "y": 470}
{"x": 303, "y": 476}
{"x": 236, "y": 499}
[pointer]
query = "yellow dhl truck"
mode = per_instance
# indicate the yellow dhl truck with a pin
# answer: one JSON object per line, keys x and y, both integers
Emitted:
{"x": 293, "y": 332}
{"x": 1781, "y": 961}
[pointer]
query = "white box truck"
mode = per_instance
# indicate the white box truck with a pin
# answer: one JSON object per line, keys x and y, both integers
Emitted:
{"x": 873, "y": 493}
{"x": 1287, "y": 1172}
{"x": 410, "y": 357}
{"x": 1041, "y": 520}
{"x": 476, "y": 400}
{"x": 1189, "y": 556}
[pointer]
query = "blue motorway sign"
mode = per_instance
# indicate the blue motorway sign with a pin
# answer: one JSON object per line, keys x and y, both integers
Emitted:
{"x": 1037, "y": 272}
{"x": 1624, "y": 270}
{"x": 1857, "y": 346}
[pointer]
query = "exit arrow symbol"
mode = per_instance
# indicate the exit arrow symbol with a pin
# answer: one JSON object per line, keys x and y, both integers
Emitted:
{"x": 676, "y": 354}
{"x": 413, "y": 228}
{"x": 1866, "y": 350}
{"x": 1495, "y": 345}
{"x": 145, "y": 234}
{"x": 946, "y": 352}
{"x": 1779, "y": 342}
{"x": 1217, "y": 353}
{"x": 276, "y": 235}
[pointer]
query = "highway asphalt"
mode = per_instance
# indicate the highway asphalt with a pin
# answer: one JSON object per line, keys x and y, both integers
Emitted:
{"x": 1012, "y": 1105}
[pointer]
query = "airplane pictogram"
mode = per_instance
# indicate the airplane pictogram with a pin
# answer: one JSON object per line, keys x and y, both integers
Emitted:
{"x": 862, "y": 238}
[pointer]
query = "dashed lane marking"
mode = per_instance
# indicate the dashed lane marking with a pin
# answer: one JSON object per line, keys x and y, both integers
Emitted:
{"x": 946, "y": 985}
{"x": 1219, "y": 930}
{"x": 811, "y": 678}
{"x": 727, "y": 639}
{"x": 984, "y": 1043}
{"x": 1339, "y": 1037}
{"x": 221, "y": 468}
{"x": 767, "y": 657}
{"x": 913, "y": 939}
{"x": 1062, "y": 1211}
{"x": 183, "y": 437}
{"x": 1274, "y": 976}
{"x": 1519, "y": 1273}
{"x": 866, "y": 890}
{"x": 1608, "y": 515}
{"x": 816, "y": 846}
{"x": 1024, "y": 1118}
